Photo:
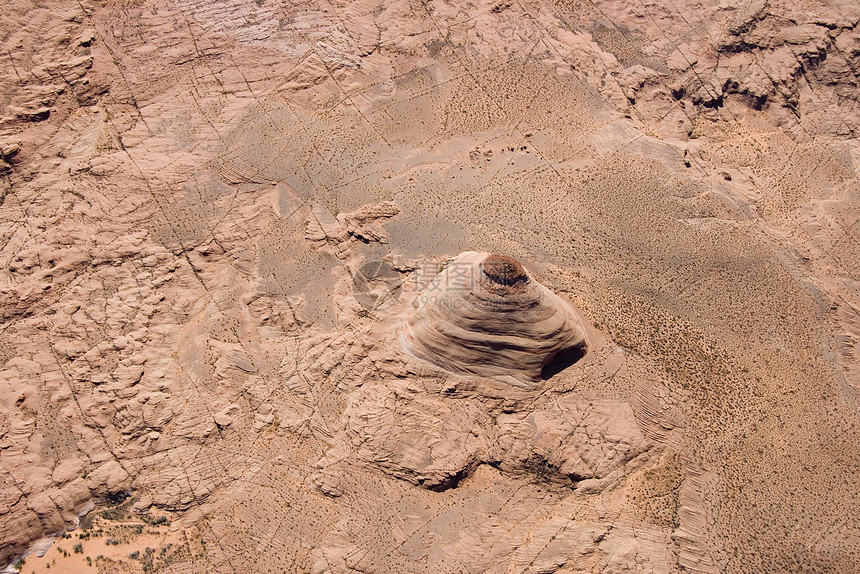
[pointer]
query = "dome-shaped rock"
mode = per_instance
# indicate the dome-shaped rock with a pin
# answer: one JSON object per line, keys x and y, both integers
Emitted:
{"x": 485, "y": 315}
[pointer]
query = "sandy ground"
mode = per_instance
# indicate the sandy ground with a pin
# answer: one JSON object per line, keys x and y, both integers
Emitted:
{"x": 96, "y": 555}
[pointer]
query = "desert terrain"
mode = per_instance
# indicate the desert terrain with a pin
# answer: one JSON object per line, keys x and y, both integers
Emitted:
{"x": 529, "y": 286}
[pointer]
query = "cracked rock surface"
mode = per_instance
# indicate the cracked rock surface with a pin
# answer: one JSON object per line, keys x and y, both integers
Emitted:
{"x": 218, "y": 221}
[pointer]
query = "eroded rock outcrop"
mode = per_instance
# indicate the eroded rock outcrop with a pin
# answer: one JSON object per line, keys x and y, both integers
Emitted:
{"x": 484, "y": 314}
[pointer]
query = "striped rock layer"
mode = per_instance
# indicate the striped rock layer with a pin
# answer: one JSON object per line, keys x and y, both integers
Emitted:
{"x": 485, "y": 315}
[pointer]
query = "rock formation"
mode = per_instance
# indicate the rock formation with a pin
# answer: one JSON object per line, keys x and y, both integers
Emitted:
{"x": 215, "y": 216}
{"x": 484, "y": 314}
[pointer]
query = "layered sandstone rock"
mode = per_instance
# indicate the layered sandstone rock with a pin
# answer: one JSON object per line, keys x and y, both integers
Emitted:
{"x": 484, "y": 314}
